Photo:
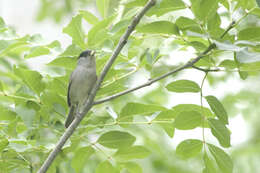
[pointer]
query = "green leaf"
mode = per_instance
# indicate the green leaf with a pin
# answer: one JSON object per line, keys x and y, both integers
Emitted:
{"x": 138, "y": 108}
{"x": 27, "y": 114}
{"x": 106, "y": 166}
{"x": 131, "y": 109}
{"x": 54, "y": 45}
{"x": 244, "y": 56}
{"x": 89, "y": 17}
{"x": 98, "y": 33}
{"x": 159, "y": 27}
{"x": 217, "y": 108}
{"x": 220, "y": 131}
{"x": 11, "y": 46}
{"x": 250, "y": 33}
{"x": 187, "y": 120}
{"x": 71, "y": 51}
{"x": 167, "y": 115}
{"x": 112, "y": 88}
{"x": 165, "y": 6}
{"x": 37, "y": 51}
{"x": 134, "y": 3}
{"x": 206, "y": 61}
{"x": 2, "y": 22}
{"x": 81, "y": 157}
{"x": 132, "y": 167}
{"x": 32, "y": 79}
{"x": 189, "y": 148}
{"x": 228, "y": 64}
{"x": 245, "y": 4}
{"x": 74, "y": 30}
{"x": 1, "y": 86}
{"x": 243, "y": 74}
{"x": 209, "y": 165}
{"x": 116, "y": 139}
{"x": 227, "y": 46}
{"x": 248, "y": 67}
{"x": 52, "y": 98}
{"x": 4, "y": 44}
{"x": 185, "y": 23}
{"x": 58, "y": 85}
{"x": 204, "y": 9}
{"x": 65, "y": 62}
{"x": 7, "y": 114}
{"x": 168, "y": 128}
{"x": 181, "y": 86}
{"x": 256, "y": 11}
{"x": 223, "y": 160}
{"x": 191, "y": 107}
{"x": 134, "y": 152}
{"x": 19, "y": 145}
{"x": 120, "y": 25}
{"x": 199, "y": 46}
{"x": 3, "y": 144}
{"x": 258, "y": 3}
{"x": 213, "y": 26}
{"x": 102, "y": 6}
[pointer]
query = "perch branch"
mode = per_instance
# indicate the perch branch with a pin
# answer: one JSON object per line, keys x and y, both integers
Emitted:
{"x": 87, "y": 106}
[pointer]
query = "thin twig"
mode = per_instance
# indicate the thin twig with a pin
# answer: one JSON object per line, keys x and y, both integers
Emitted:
{"x": 221, "y": 70}
{"x": 232, "y": 24}
{"x": 202, "y": 110}
{"x": 87, "y": 106}
{"x": 188, "y": 64}
{"x": 136, "y": 122}
{"x": 206, "y": 70}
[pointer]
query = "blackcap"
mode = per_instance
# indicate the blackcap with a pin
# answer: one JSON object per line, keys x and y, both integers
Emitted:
{"x": 82, "y": 80}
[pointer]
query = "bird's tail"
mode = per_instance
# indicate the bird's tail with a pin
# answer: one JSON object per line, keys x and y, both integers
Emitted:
{"x": 70, "y": 117}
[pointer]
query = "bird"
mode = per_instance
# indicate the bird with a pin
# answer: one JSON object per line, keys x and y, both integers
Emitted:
{"x": 81, "y": 81}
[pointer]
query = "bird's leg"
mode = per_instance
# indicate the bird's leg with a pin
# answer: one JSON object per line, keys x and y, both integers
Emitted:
{"x": 78, "y": 110}
{"x": 80, "y": 106}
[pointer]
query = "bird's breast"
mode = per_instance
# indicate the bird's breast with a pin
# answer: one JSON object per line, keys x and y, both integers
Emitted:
{"x": 82, "y": 81}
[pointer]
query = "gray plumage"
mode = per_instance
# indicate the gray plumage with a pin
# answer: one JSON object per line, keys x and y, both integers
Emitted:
{"x": 82, "y": 80}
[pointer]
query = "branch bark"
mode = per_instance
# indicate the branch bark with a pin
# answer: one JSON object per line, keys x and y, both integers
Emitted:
{"x": 87, "y": 106}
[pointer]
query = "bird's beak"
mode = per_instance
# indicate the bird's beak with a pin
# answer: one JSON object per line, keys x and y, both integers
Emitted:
{"x": 92, "y": 53}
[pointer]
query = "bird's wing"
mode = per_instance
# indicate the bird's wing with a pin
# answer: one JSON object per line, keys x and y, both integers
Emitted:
{"x": 68, "y": 93}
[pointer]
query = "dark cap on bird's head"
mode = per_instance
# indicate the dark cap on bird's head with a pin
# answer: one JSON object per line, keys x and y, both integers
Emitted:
{"x": 87, "y": 53}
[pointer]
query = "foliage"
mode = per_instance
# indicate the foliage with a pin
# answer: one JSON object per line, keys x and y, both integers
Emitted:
{"x": 128, "y": 134}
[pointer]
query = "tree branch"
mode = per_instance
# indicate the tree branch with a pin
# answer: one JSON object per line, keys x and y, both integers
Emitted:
{"x": 187, "y": 65}
{"x": 87, "y": 106}
{"x": 206, "y": 70}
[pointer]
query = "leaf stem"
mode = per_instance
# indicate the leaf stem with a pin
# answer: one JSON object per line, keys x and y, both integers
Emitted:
{"x": 136, "y": 123}
{"x": 202, "y": 110}
{"x": 20, "y": 97}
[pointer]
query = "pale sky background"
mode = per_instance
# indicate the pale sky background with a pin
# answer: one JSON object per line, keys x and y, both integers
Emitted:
{"x": 21, "y": 15}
